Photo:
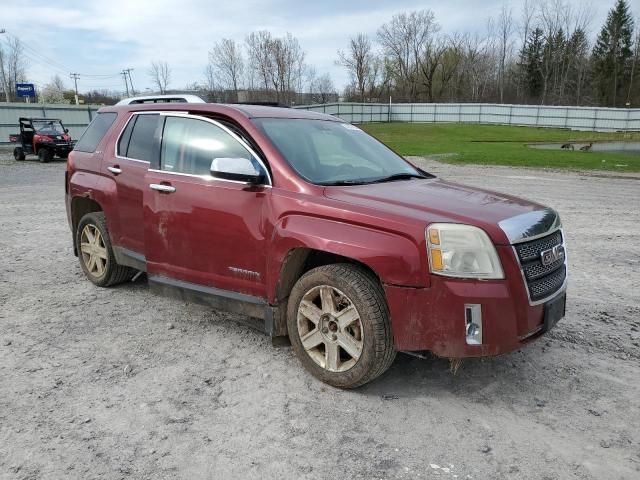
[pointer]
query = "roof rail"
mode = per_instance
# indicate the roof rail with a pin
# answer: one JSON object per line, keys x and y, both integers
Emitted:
{"x": 173, "y": 98}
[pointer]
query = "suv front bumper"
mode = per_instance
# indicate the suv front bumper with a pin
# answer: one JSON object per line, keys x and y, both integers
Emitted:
{"x": 433, "y": 318}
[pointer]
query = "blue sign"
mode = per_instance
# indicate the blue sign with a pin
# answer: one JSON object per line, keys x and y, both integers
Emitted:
{"x": 25, "y": 90}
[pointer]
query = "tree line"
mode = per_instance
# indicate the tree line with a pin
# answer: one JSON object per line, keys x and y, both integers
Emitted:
{"x": 543, "y": 57}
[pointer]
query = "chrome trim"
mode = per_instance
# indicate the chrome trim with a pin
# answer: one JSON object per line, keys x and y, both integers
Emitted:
{"x": 531, "y": 225}
{"x": 208, "y": 178}
{"x": 162, "y": 188}
{"x": 115, "y": 170}
{"x": 562, "y": 288}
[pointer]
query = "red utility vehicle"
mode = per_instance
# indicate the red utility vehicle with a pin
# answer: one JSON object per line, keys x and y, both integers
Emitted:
{"x": 309, "y": 224}
{"x": 44, "y": 137}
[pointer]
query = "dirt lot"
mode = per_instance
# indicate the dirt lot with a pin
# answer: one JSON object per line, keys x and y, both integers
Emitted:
{"x": 119, "y": 383}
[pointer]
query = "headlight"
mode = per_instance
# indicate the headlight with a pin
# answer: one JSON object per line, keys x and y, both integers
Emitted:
{"x": 462, "y": 251}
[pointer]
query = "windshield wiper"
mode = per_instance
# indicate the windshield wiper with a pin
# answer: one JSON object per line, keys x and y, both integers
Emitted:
{"x": 397, "y": 176}
{"x": 344, "y": 182}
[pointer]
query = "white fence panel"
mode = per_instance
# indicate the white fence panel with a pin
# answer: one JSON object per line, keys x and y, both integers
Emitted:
{"x": 75, "y": 118}
{"x": 576, "y": 118}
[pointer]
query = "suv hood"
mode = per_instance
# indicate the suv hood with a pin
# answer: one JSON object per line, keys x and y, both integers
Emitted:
{"x": 435, "y": 200}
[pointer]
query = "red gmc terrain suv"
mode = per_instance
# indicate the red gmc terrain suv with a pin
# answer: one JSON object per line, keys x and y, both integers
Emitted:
{"x": 309, "y": 224}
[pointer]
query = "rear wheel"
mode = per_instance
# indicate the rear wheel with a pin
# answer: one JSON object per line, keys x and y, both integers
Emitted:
{"x": 339, "y": 326}
{"x": 95, "y": 253}
{"x": 18, "y": 153}
{"x": 44, "y": 155}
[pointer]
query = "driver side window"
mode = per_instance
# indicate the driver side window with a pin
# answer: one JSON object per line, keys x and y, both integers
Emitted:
{"x": 189, "y": 145}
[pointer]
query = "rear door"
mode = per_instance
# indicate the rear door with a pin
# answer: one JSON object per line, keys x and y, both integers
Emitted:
{"x": 200, "y": 229}
{"x": 128, "y": 165}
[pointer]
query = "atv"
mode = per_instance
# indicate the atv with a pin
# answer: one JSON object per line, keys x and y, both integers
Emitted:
{"x": 44, "y": 137}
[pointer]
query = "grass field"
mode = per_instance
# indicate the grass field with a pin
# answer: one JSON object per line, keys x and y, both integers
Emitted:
{"x": 502, "y": 145}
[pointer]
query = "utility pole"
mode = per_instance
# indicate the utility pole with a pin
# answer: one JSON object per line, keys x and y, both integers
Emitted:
{"x": 75, "y": 77}
{"x": 128, "y": 72}
{"x": 126, "y": 84}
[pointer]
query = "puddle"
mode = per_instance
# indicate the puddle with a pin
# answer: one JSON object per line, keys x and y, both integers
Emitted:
{"x": 631, "y": 148}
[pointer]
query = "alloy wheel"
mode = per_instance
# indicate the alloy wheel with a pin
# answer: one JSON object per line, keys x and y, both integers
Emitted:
{"x": 93, "y": 250}
{"x": 330, "y": 328}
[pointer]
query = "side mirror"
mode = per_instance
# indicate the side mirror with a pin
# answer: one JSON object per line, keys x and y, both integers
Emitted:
{"x": 66, "y": 130}
{"x": 237, "y": 169}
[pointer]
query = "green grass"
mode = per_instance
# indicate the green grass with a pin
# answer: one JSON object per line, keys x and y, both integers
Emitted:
{"x": 502, "y": 145}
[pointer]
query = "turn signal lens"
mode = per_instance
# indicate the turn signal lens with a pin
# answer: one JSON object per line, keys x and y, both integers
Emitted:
{"x": 436, "y": 259}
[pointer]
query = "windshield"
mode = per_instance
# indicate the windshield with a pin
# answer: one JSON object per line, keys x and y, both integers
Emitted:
{"x": 48, "y": 127}
{"x": 333, "y": 153}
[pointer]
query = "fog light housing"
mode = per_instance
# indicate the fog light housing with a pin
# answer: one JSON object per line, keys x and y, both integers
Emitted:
{"x": 473, "y": 323}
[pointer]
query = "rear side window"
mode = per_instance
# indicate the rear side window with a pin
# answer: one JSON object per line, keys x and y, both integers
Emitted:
{"x": 141, "y": 142}
{"x": 123, "y": 143}
{"x": 95, "y": 132}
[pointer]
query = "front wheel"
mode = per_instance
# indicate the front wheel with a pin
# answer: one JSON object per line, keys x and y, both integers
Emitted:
{"x": 44, "y": 155}
{"x": 95, "y": 253}
{"x": 339, "y": 327}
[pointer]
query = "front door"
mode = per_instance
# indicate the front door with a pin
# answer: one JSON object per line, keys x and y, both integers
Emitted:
{"x": 199, "y": 229}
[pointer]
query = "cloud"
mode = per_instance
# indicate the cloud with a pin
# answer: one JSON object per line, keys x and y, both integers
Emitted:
{"x": 101, "y": 38}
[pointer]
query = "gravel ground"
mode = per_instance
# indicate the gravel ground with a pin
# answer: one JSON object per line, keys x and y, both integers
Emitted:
{"x": 119, "y": 383}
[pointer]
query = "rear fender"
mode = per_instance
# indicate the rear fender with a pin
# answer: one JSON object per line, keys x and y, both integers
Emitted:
{"x": 395, "y": 259}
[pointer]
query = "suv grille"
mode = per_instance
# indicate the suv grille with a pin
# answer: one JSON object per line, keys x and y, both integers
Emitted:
{"x": 542, "y": 281}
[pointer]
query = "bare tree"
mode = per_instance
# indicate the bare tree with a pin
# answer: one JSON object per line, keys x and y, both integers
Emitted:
{"x": 504, "y": 31}
{"x": 160, "y": 74}
{"x": 12, "y": 65}
{"x": 259, "y": 58}
{"x": 324, "y": 88}
{"x": 407, "y": 40}
{"x": 358, "y": 60}
{"x": 228, "y": 64}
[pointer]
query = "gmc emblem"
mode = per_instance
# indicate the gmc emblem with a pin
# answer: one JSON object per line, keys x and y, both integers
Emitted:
{"x": 547, "y": 257}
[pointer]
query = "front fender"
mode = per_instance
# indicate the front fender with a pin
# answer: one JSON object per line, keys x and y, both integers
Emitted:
{"x": 396, "y": 259}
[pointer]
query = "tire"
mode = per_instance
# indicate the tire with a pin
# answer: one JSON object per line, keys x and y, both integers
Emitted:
{"x": 369, "y": 348}
{"x": 18, "y": 154}
{"x": 96, "y": 254}
{"x": 44, "y": 155}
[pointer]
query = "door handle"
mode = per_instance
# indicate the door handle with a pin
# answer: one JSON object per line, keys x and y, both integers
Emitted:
{"x": 162, "y": 188}
{"x": 115, "y": 170}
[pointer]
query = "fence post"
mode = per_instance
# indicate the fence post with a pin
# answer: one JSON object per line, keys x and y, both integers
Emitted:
{"x": 626, "y": 125}
{"x": 435, "y": 111}
{"x": 89, "y": 114}
{"x": 595, "y": 118}
{"x": 44, "y": 111}
{"x": 510, "y": 114}
{"x": 459, "y": 113}
{"x": 537, "y": 115}
{"x": 480, "y": 114}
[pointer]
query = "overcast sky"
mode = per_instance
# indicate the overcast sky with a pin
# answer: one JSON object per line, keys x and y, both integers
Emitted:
{"x": 103, "y": 37}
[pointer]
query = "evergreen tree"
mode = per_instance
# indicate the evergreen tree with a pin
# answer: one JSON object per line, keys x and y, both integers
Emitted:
{"x": 612, "y": 54}
{"x": 531, "y": 64}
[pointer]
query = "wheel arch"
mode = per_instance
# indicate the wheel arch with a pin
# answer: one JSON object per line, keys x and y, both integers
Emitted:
{"x": 299, "y": 241}
{"x": 300, "y": 260}
{"x": 80, "y": 206}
